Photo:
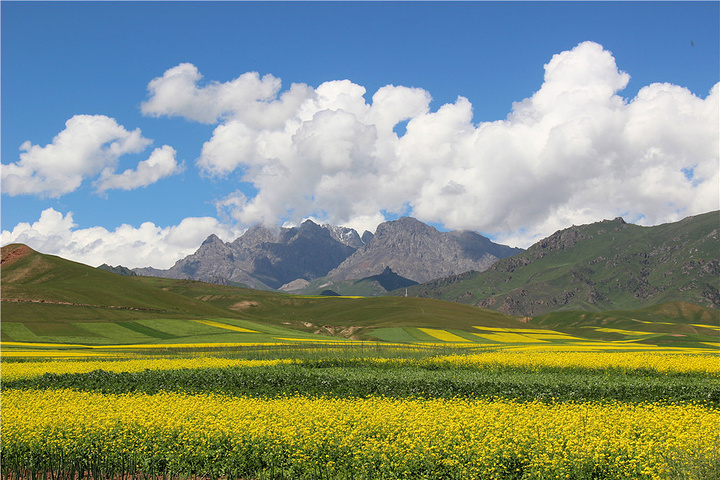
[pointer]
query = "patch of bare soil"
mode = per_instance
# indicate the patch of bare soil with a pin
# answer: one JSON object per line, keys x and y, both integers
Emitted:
{"x": 13, "y": 253}
{"x": 329, "y": 330}
{"x": 345, "y": 332}
{"x": 239, "y": 306}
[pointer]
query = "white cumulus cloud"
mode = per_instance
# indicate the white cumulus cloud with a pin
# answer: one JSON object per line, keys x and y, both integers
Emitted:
{"x": 161, "y": 164}
{"x": 576, "y": 151}
{"x": 147, "y": 245}
{"x": 90, "y": 145}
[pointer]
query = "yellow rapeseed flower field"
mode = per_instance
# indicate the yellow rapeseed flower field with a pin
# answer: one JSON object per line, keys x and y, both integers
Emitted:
{"x": 225, "y": 326}
{"x": 661, "y": 362}
{"x": 534, "y": 358}
{"x": 15, "y": 371}
{"x": 212, "y": 435}
{"x": 443, "y": 335}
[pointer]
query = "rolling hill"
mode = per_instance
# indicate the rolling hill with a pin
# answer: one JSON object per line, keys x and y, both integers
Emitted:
{"x": 46, "y": 298}
{"x": 41, "y": 287}
{"x": 50, "y": 302}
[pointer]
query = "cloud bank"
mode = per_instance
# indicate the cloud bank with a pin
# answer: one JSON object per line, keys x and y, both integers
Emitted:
{"x": 146, "y": 245}
{"x": 574, "y": 152}
{"x": 90, "y": 145}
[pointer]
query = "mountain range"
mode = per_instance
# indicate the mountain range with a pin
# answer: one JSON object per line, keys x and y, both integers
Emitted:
{"x": 601, "y": 266}
{"x": 313, "y": 257}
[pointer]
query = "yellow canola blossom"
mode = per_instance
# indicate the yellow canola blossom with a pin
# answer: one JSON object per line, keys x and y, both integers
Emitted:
{"x": 509, "y": 337}
{"x": 213, "y": 435}
{"x": 661, "y": 362}
{"x": 149, "y": 346}
{"x": 622, "y": 332}
{"x": 443, "y": 335}
{"x": 552, "y": 336}
{"x": 702, "y": 325}
{"x": 14, "y": 371}
{"x": 54, "y": 354}
{"x": 533, "y": 358}
{"x": 224, "y": 326}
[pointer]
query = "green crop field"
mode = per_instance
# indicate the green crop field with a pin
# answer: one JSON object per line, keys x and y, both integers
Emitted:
{"x": 365, "y": 410}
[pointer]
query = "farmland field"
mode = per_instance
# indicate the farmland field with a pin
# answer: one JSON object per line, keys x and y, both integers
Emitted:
{"x": 110, "y": 378}
{"x": 362, "y": 410}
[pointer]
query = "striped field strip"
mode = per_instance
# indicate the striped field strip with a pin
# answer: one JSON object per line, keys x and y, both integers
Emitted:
{"x": 147, "y": 345}
{"x": 712, "y": 327}
{"x": 622, "y": 332}
{"x": 493, "y": 329}
{"x": 225, "y": 326}
{"x": 553, "y": 336}
{"x": 30, "y": 344}
{"x": 443, "y": 335}
{"x": 54, "y": 353}
{"x": 521, "y": 331}
{"x": 507, "y": 337}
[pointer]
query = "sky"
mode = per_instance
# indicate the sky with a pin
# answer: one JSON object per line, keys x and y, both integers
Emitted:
{"x": 133, "y": 130}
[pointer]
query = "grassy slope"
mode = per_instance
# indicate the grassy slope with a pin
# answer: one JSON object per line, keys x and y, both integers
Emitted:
{"x": 603, "y": 266}
{"x": 675, "y": 323}
{"x": 68, "y": 302}
{"x": 78, "y": 292}
{"x": 72, "y": 304}
{"x": 339, "y": 315}
{"x": 161, "y": 310}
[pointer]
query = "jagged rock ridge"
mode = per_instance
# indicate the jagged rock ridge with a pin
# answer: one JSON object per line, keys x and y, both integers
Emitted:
{"x": 420, "y": 252}
{"x": 266, "y": 257}
{"x": 288, "y": 258}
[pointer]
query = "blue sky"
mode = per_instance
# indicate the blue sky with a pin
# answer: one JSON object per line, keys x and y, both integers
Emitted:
{"x": 522, "y": 163}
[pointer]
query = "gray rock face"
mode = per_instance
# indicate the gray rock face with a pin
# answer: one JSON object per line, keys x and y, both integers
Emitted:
{"x": 346, "y": 236}
{"x": 215, "y": 262}
{"x": 421, "y": 253}
{"x": 366, "y": 237}
{"x": 268, "y": 258}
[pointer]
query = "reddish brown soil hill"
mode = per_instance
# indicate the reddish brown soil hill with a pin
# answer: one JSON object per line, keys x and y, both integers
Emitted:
{"x": 14, "y": 252}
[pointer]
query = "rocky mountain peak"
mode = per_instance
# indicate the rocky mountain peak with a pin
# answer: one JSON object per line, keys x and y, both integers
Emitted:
{"x": 404, "y": 225}
{"x": 402, "y": 249}
{"x": 212, "y": 239}
{"x": 346, "y": 236}
{"x": 420, "y": 252}
{"x": 366, "y": 237}
{"x": 257, "y": 235}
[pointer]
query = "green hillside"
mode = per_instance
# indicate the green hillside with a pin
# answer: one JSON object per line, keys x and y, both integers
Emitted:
{"x": 38, "y": 287}
{"x": 47, "y": 299}
{"x": 354, "y": 317}
{"x": 609, "y": 265}
{"x": 52, "y": 303}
